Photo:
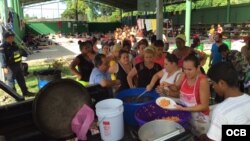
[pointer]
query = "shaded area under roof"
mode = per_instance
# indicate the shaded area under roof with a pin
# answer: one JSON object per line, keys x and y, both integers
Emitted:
{"x": 127, "y": 5}
{"x": 131, "y": 5}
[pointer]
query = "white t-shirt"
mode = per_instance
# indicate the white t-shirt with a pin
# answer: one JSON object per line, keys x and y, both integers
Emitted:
{"x": 172, "y": 78}
{"x": 233, "y": 110}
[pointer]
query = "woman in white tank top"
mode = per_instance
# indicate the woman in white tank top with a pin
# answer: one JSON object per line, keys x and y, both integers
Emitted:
{"x": 167, "y": 76}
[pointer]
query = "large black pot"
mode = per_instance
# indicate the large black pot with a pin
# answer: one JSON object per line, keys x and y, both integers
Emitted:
{"x": 48, "y": 116}
{"x": 55, "y": 106}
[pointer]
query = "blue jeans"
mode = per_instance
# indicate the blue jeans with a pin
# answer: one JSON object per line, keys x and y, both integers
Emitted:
{"x": 16, "y": 73}
{"x": 9, "y": 79}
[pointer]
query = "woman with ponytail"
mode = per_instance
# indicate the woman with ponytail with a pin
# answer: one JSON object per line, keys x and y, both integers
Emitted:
{"x": 82, "y": 65}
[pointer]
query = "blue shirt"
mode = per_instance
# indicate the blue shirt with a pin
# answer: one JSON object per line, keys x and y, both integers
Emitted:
{"x": 97, "y": 76}
{"x": 216, "y": 55}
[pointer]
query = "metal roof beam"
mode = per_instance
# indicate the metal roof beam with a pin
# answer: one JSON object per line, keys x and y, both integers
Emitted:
{"x": 122, "y": 4}
{"x": 28, "y": 2}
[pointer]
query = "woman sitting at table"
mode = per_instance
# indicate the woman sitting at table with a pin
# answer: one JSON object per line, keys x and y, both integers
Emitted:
{"x": 168, "y": 77}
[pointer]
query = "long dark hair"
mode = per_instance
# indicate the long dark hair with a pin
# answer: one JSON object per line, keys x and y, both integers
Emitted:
{"x": 86, "y": 43}
{"x": 172, "y": 58}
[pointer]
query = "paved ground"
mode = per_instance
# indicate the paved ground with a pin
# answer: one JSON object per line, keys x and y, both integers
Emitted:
{"x": 50, "y": 53}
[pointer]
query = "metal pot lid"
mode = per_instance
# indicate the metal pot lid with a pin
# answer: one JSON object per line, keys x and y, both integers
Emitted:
{"x": 56, "y": 104}
{"x": 159, "y": 130}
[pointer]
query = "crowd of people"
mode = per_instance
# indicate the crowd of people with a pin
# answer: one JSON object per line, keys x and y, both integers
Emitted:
{"x": 124, "y": 62}
{"x": 129, "y": 63}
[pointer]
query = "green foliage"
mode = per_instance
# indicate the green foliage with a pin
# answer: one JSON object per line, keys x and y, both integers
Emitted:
{"x": 219, "y": 3}
{"x": 98, "y": 12}
{"x": 95, "y": 12}
{"x": 116, "y": 16}
{"x": 101, "y": 9}
{"x": 89, "y": 13}
{"x": 27, "y": 17}
{"x": 102, "y": 13}
{"x": 71, "y": 8}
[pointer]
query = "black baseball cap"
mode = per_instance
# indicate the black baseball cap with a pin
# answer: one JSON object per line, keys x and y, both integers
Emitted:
{"x": 9, "y": 34}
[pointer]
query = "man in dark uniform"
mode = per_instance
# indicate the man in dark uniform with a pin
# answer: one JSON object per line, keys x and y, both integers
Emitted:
{"x": 11, "y": 58}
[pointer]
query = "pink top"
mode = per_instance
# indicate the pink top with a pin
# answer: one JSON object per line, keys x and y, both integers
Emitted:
{"x": 190, "y": 96}
{"x": 138, "y": 59}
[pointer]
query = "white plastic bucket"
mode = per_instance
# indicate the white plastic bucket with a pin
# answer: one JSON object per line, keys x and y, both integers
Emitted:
{"x": 110, "y": 118}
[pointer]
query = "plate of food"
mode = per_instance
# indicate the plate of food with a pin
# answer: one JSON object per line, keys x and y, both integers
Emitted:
{"x": 166, "y": 103}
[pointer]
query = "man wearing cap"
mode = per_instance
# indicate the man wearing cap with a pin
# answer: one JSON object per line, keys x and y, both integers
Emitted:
{"x": 11, "y": 58}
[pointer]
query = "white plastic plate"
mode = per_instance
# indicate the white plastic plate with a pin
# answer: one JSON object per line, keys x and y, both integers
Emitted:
{"x": 171, "y": 106}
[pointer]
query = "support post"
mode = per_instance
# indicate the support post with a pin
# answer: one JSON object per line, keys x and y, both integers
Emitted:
{"x": 131, "y": 20}
{"x": 159, "y": 19}
{"x": 41, "y": 11}
{"x": 11, "y": 2}
{"x": 4, "y": 15}
{"x": 76, "y": 12}
{"x": 58, "y": 10}
{"x": 4, "y": 11}
{"x": 188, "y": 21}
{"x": 120, "y": 15}
{"x": 228, "y": 10}
{"x": 21, "y": 11}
